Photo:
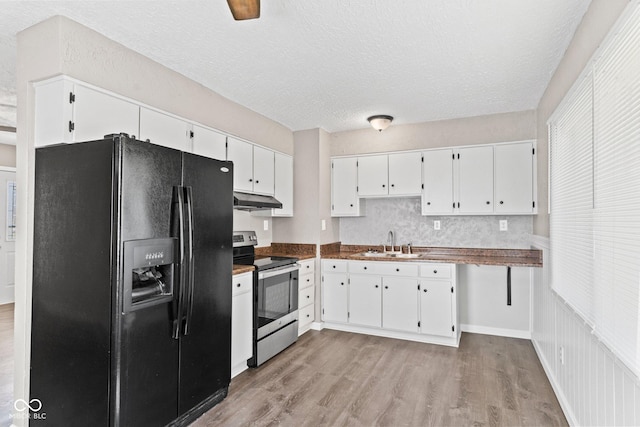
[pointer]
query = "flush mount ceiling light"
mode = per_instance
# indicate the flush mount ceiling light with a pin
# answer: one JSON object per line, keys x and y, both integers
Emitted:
{"x": 380, "y": 122}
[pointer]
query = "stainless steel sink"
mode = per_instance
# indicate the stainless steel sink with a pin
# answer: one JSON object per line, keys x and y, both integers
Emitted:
{"x": 406, "y": 255}
{"x": 387, "y": 255}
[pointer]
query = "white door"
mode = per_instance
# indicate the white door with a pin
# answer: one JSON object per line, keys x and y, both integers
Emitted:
{"x": 405, "y": 174}
{"x": 335, "y": 298}
{"x": 475, "y": 185}
{"x": 7, "y": 236}
{"x": 437, "y": 197}
{"x": 241, "y": 154}
{"x": 344, "y": 183}
{"x": 209, "y": 143}
{"x": 373, "y": 175}
{"x": 400, "y": 304}
{"x": 365, "y": 300}
{"x": 514, "y": 178}
{"x": 263, "y": 170}
{"x": 435, "y": 308}
{"x": 162, "y": 129}
{"x": 284, "y": 184}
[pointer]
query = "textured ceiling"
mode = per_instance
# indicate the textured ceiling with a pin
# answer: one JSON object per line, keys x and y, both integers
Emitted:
{"x": 333, "y": 63}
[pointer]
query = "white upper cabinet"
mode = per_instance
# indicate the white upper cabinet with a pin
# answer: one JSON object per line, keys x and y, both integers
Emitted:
{"x": 405, "y": 174}
{"x": 284, "y": 184}
{"x": 253, "y": 167}
{"x": 67, "y": 111}
{"x": 241, "y": 154}
{"x": 162, "y": 129}
{"x": 209, "y": 143}
{"x": 373, "y": 176}
{"x": 398, "y": 174}
{"x": 263, "y": 170}
{"x": 344, "y": 183}
{"x": 475, "y": 180}
{"x": 437, "y": 196}
{"x": 514, "y": 172}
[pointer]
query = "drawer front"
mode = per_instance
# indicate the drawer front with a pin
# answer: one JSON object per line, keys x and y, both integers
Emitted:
{"x": 307, "y": 266}
{"x": 306, "y": 297}
{"x": 242, "y": 283}
{"x": 334, "y": 265}
{"x": 363, "y": 267}
{"x": 442, "y": 271}
{"x": 305, "y": 315}
{"x": 398, "y": 269}
{"x": 306, "y": 280}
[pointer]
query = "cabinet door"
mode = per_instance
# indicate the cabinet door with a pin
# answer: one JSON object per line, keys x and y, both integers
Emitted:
{"x": 165, "y": 130}
{"x": 209, "y": 143}
{"x": 335, "y": 298}
{"x": 242, "y": 323}
{"x": 344, "y": 183}
{"x": 284, "y": 184}
{"x": 263, "y": 170}
{"x": 475, "y": 180}
{"x": 365, "y": 300}
{"x": 514, "y": 178}
{"x": 53, "y": 112}
{"x": 437, "y": 196}
{"x": 405, "y": 174}
{"x": 96, "y": 114}
{"x": 373, "y": 176}
{"x": 400, "y": 304}
{"x": 241, "y": 154}
{"x": 435, "y": 308}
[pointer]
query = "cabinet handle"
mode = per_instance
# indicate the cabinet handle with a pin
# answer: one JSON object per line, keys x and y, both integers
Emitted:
{"x": 308, "y": 315}
{"x": 397, "y": 269}
{"x": 393, "y": 185}
{"x": 386, "y": 287}
{"x": 238, "y": 285}
{"x": 351, "y": 205}
{"x": 488, "y": 202}
{"x": 308, "y": 296}
{"x": 341, "y": 283}
{"x": 257, "y": 181}
{"x": 365, "y": 268}
{"x": 428, "y": 203}
{"x": 376, "y": 286}
{"x": 435, "y": 271}
{"x": 425, "y": 290}
{"x": 501, "y": 202}
{"x": 384, "y": 185}
{"x": 250, "y": 179}
{"x": 334, "y": 266}
{"x": 308, "y": 280}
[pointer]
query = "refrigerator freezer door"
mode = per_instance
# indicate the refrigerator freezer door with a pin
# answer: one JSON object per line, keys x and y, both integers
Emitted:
{"x": 205, "y": 351}
{"x": 146, "y": 354}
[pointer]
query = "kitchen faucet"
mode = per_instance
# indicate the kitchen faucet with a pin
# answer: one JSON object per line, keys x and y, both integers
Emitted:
{"x": 391, "y": 239}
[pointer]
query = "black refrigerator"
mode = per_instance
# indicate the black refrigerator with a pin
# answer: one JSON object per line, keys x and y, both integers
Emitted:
{"x": 132, "y": 261}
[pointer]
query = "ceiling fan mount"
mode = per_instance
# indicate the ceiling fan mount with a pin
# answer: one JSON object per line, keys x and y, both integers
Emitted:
{"x": 244, "y": 9}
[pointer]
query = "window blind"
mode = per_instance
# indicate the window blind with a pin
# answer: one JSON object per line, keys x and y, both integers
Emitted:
{"x": 595, "y": 193}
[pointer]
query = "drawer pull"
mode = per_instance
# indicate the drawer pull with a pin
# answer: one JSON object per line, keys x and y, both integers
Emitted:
{"x": 376, "y": 286}
{"x": 308, "y": 280}
{"x": 239, "y": 284}
{"x": 365, "y": 268}
{"x": 425, "y": 290}
{"x": 386, "y": 287}
{"x": 435, "y": 271}
{"x": 308, "y": 315}
{"x": 397, "y": 269}
{"x": 308, "y": 296}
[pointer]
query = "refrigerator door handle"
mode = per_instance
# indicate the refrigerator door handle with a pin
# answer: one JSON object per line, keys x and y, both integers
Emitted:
{"x": 177, "y": 310}
{"x": 189, "y": 256}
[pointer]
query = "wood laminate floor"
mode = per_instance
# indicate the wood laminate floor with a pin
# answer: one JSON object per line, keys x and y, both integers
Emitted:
{"x": 6, "y": 364}
{"x": 332, "y": 378}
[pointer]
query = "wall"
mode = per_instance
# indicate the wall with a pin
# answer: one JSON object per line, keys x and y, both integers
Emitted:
{"x": 593, "y": 387}
{"x": 403, "y": 216}
{"x": 517, "y": 126}
{"x": 594, "y": 26}
{"x": 61, "y": 46}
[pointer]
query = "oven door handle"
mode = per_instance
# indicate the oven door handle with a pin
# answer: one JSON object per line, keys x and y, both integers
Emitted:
{"x": 277, "y": 271}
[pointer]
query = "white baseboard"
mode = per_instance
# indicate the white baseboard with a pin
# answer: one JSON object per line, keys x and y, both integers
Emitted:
{"x": 500, "y": 332}
{"x": 317, "y": 326}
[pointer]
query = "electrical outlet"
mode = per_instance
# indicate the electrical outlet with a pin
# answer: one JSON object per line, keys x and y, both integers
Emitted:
{"x": 436, "y": 225}
{"x": 503, "y": 225}
{"x": 562, "y": 355}
{"x": 323, "y": 225}
{"x": 266, "y": 225}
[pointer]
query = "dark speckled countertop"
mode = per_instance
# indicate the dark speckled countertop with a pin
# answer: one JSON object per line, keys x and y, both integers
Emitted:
{"x": 478, "y": 256}
{"x": 297, "y": 250}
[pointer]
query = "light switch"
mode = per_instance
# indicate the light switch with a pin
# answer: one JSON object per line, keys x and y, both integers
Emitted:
{"x": 436, "y": 225}
{"x": 503, "y": 225}
{"x": 266, "y": 224}
{"x": 323, "y": 225}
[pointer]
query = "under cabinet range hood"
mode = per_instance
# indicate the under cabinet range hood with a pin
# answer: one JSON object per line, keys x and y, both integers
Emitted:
{"x": 254, "y": 202}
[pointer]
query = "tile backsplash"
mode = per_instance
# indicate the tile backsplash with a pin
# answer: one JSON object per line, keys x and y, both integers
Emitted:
{"x": 403, "y": 216}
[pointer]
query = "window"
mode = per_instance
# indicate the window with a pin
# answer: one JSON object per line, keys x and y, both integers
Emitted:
{"x": 595, "y": 192}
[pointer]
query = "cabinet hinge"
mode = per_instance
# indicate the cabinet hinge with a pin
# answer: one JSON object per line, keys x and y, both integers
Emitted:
{"x": 454, "y": 205}
{"x": 331, "y": 165}
{"x": 534, "y": 204}
{"x": 226, "y": 145}
{"x": 72, "y": 97}
{"x": 72, "y": 126}
{"x": 453, "y": 328}
{"x": 422, "y": 159}
{"x": 323, "y": 311}
{"x": 452, "y": 289}
{"x": 191, "y": 134}
{"x": 348, "y": 315}
{"x": 423, "y": 186}
{"x": 533, "y": 151}
{"x": 453, "y": 156}
{"x": 357, "y": 163}
{"x": 418, "y": 323}
{"x": 458, "y": 205}
{"x": 458, "y": 156}
{"x": 333, "y": 208}
{"x": 418, "y": 286}
{"x": 357, "y": 188}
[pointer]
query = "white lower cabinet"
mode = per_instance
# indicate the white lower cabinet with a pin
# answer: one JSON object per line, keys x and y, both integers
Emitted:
{"x": 306, "y": 295}
{"x": 400, "y": 304}
{"x": 335, "y": 294}
{"x": 241, "y": 322}
{"x": 407, "y": 300}
{"x": 365, "y": 300}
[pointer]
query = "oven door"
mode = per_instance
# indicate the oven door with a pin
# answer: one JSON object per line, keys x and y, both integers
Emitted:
{"x": 277, "y": 299}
